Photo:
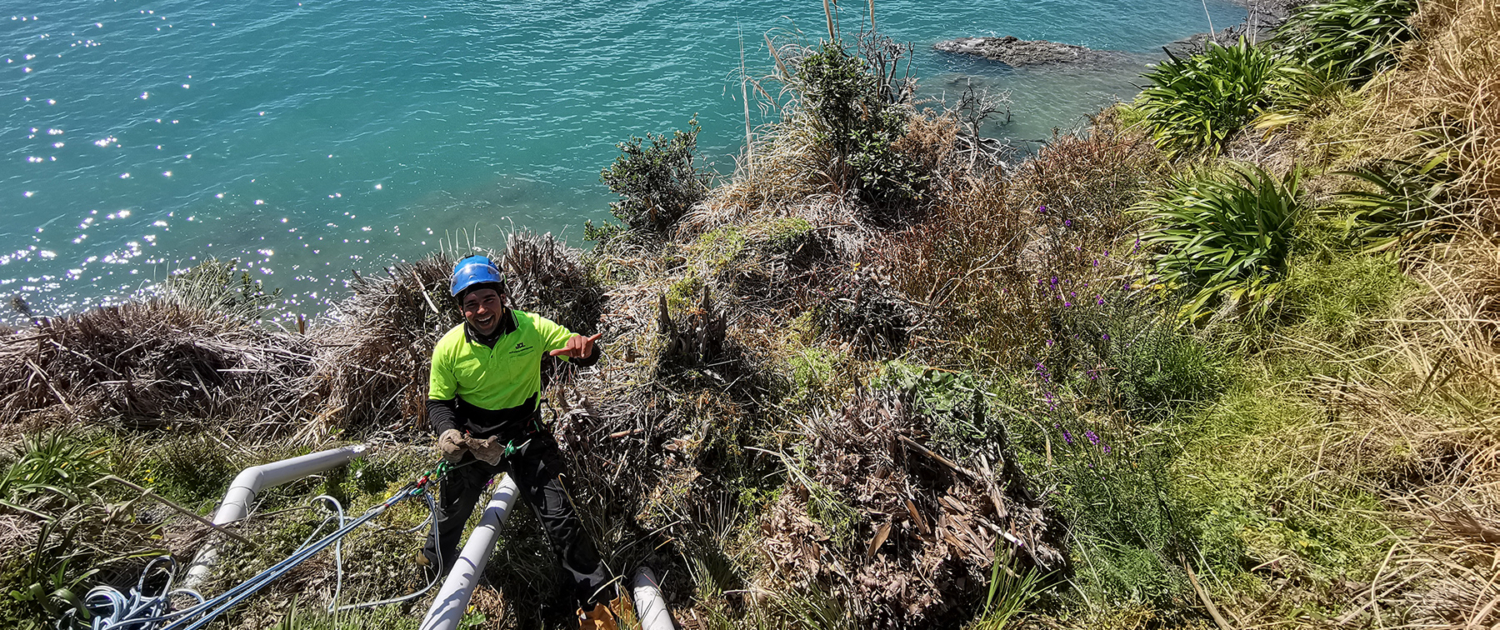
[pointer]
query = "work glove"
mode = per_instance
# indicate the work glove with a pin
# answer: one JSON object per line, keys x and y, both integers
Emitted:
{"x": 488, "y": 450}
{"x": 600, "y": 618}
{"x": 451, "y": 445}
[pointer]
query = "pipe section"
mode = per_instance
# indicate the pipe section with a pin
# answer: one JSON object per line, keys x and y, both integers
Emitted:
{"x": 453, "y": 599}
{"x": 236, "y": 503}
{"x": 650, "y": 608}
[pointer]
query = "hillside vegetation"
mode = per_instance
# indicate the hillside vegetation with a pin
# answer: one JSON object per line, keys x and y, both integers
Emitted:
{"x": 1226, "y": 358}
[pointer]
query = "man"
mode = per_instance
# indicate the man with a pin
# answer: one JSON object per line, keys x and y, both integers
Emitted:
{"x": 482, "y": 405}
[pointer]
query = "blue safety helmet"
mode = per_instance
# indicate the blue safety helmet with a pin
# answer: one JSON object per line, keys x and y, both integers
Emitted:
{"x": 475, "y": 270}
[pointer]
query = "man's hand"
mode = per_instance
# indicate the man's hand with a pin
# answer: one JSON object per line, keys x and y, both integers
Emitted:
{"x": 451, "y": 445}
{"x": 579, "y": 347}
{"x": 489, "y": 450}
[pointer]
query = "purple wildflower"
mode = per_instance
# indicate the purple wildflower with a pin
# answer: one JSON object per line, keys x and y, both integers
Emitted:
{"x": 1106, "y": 449}
{"x": 1042, "y": 209}
{"x": 1105, "y": 336}
{"x": 1067, "y": 223}
{"x": 1093, "y": 437}
{"x": 1067, "y": 305}
{"x": 1049, "y": 343}
{"x": 1068, "y": 437}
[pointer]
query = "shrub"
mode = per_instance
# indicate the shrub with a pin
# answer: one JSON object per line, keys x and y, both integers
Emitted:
{"x": 1120, "y": 351}
{"x": 657, "y": 184}
{"x": 1197, "y": 103}
{"x": 1349, "y": 38}
{"x": 1225, "y": 237}
{"x": 857, "y": 122}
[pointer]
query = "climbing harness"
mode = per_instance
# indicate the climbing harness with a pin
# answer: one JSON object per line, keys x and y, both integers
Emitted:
{"x": 106, "y": 608}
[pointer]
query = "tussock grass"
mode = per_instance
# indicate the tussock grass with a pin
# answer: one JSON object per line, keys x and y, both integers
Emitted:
{"x": 141, "y": 362}
{"x": 1440, "y": 100}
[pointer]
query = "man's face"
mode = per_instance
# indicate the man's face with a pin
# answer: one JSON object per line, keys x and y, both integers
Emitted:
{"x": 482, "y": 308}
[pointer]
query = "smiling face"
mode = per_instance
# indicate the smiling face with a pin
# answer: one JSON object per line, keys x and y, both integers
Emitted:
{"x": 482, "y": 308}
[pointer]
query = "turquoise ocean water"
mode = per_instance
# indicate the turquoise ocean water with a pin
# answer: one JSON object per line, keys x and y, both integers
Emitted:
{"x": 311, "y": 138}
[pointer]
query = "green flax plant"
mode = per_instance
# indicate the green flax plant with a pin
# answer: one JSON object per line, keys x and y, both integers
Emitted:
{"x": 49, "y": 464}
{"x": 1348, "y": 38}
{"x": 217, "y": 288}
{"x": 1013, "y": 588}
{"x": 1408, "y": 204}
{"x": 1224, "y": 237}
{"x": 1197, "y": 103}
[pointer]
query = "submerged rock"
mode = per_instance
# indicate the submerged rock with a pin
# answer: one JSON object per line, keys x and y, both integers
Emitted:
{"x": 1013, "y": 51}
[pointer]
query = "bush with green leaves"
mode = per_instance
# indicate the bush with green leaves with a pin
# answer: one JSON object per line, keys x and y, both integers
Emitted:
{"x": 1224, "y": 236}
{"x": 855, "y": 120}
{"x": 657, "y": 184}
{"x": 1348, "y": 38}
{"x": 1198, "y": 103}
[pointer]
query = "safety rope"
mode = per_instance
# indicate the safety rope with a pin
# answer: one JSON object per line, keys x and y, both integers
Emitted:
{"x": 109, "y": 609}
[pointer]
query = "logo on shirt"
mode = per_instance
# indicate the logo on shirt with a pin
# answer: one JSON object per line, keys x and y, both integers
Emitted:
{"x": 521, "y": 348}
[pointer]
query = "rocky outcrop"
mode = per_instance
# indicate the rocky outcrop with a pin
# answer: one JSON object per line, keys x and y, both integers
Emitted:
{"x": 1261, "y": 19}
{"x": 1017, "y": 52}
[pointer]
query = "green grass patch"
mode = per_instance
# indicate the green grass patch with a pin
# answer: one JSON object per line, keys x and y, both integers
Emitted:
{"x": 718, "y": 249}
{"x": 786, "y": 235}
{"x": 1255, "y": 493}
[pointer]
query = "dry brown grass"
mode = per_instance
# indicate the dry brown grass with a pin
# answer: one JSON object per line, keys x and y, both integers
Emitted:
{"x": 1442, "y": 98}
{"x": 1002, "y": 255}
{"x": 905, "y": 538}
{"x": 145, "y": 362}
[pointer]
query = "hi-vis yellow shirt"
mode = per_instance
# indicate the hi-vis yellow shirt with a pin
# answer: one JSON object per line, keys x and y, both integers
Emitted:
{"x": 499, "y": 378}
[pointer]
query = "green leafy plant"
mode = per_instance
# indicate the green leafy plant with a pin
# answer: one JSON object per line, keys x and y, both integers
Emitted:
{"x": 657, "y": 184}
{"x": 1225, "y": 237}
{"x": 1197, "y": 103}
{"x": 1349, "y": 38}
{"x": 856, "y": 120}
{"x": 1010, "y": 592}
{"x": 1406, "y": 205}
{"x": 218, "y": 287}
{"x": 49, "y": 463}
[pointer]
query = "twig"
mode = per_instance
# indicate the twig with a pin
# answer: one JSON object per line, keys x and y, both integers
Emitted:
{"x": 938, "y": 458}
{"x": 148, "y": 492}
{"x": 1213, "y": 610}
{"x": 48, "y": 382}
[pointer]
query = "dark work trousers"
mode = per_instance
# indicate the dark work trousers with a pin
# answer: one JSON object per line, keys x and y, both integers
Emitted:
{"x": 535, "y": 467}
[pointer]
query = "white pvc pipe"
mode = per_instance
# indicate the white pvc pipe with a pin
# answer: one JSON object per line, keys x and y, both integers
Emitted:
{"x": 453, "y": 598}
{"x": 650, "y": 608}
{"x": 236, "y": 503}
